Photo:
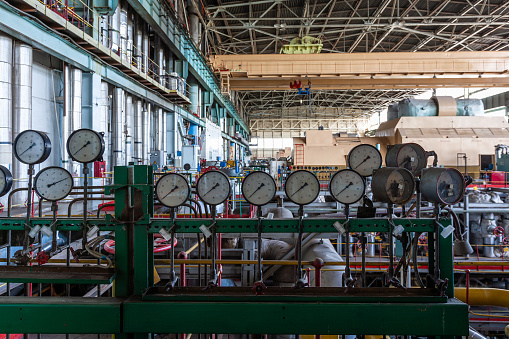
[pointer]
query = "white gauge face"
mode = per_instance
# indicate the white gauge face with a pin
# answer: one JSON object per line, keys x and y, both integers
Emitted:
{"x": 213, "y": 187}
{"x": 302, "y": 187}
{"x": 258, "y": 188}
{"x": 173, "y": 190}
{"x": 85, "y": 146}
{"x": 399, "y": 187}
{"x": 347, "y": 186}
{"x": 5, "y": 180}
{"x": 32, "y": 147}
{"x": 53, "y": 183}
{"x": 364, "y": 159}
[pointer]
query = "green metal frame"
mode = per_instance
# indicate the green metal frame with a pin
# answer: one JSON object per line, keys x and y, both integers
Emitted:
{"x": 134, "y": 311}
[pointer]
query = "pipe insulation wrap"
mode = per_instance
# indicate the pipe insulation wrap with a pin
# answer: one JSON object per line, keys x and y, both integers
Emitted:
{"x": 6, "y": 100}
{"x": 138, "y": 132}
{"x": 21, "y": 106}
{"x": 118, "y": 121}
{"x": 129, "y": 124}
{"x": 104, "y": 119}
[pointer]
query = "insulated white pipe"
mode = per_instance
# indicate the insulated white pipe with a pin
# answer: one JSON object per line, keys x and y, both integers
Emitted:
{"x": 21, "y": 106}
{"x": 129, "y": 123}
{"x": 5, "y": 100}
{"x": 104, "y": 119}
{"x": 146, "y": 132}
{"x": 118, "y": 130}
{"x": 123, "y": 32}
{"x": 138, "y": 133}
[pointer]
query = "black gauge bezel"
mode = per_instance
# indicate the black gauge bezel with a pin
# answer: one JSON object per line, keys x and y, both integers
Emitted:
{"x": 273, "y": 183}
{"x": 205, "y": 200}
{"x": 349, "y": 170}
{"x": 99, "y": 135}
{"x": 317, "y": 194}
{"x": 172, "y": 174}
{"x": 48, "y": 168}
{"x": 47, "y": 147}
{"x": 8, "y": 180}
{"x": 364, "y": 145}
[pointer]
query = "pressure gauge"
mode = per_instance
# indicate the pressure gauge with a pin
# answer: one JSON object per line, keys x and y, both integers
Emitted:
{"x": 5, "y": 180}
{"x": 85, "y": 145}
{"x": 173, "y": 190}
{"x": 347, "y": 186}
{"x": 32, "y": 147}
{"x": 53, "y": 183}
{"x": 302, "y": 187}
{"x": 364, "y": 159}
{"x": 393, "y": 185}
{"x": 409, "y": 156}
{"x": 258, "y": 188}
{"x": 442, "y": 185}
{"x": 213, "y": 187}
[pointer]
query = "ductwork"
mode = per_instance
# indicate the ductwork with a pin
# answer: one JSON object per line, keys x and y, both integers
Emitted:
{"x": 21, "y": 104}
{"x": 123, "y": 32}
{"x": 436, "y": 106}
{"x": 138, "y": 133}
{"x": 118, "y": 130}
{"x": 104, "y": 119}
{"x": 129, "y": 123}
{"x": 5, "y": 100}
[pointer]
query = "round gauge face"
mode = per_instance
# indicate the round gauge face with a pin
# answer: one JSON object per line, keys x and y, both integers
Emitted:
{"x": 258, "y": 188}
{"x": 32, "y": 147}
{"x": 408, "y": 156}
{"x": 53, "y": 183}
{"x": 213, "y": 187}
{"x": 302, "y": 187}
{"x": 173, "y": 189}
{"x": 5, "y": 180}
{"x": 399, "y": 186}
{"x": 442, "y": 185}
{"x": 347, "y": 186}
{"x": 364, "y": 159}
{"x": 85, "y": 145}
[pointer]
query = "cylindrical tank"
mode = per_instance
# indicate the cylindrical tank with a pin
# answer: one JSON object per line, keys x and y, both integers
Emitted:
{"x": 114, "y": 31}
{"x": 123, "y": 32}
{"x": 428, "y": 107}
{"x": 275, "y": 166}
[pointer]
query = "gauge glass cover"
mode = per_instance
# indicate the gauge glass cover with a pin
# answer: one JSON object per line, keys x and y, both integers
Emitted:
{"x": 412, "y": 157}
{"x": 451, "y": 186}
{"x": 32, "y": 147}
{"x": 302, "y": 187}
{"x": 213, "y": 187}
{"x": 53, "y": 183}
{"x": 364, "y": 159}
{"x": 258, "y": 188}
{"x": 347, "y": 186}
{"x": 5, "y": 180}
{"x": 85, "y": 145}
{"x": 399, "y": 186}
{"x": 173, "y": 190}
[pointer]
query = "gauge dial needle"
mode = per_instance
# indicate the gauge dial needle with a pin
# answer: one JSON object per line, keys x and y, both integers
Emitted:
{"x": 32, "y": 145}
{"x": 82, "y": 147}
{"x": 346, "y": 187}
{"x": 210, "y": 190}
{"x": 299, "y": 189}
{"x": 56, "y": 182}
{"x": 363, "y": 161}
{"x": 170, "y": 192}
{"x": 261, "y": 185}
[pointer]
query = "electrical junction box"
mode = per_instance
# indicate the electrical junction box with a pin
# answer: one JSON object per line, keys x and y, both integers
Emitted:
{"x": 191, "y": 156}
{"x": 157, "y": 159}
{"x": 99, "y": 169}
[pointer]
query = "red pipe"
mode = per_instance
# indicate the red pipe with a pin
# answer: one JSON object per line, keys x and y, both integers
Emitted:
{"x": 182, "y": 255}
{"x": 219, "y": 267}
{"x": 318, "y": 264}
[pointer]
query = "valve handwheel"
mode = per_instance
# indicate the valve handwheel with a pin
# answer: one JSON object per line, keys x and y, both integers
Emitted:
{"x": 160, "y": 244}
{"x": 42, "y": 258}
{"x": 498, "y": 231}
{"x": 506, "y": 241}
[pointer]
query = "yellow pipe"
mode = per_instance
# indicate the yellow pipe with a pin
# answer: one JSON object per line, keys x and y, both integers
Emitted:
{"x": 483, "y": 296}
{"x": 194, "y": 246}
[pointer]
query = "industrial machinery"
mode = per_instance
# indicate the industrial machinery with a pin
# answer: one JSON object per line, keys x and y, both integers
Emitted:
{"x": 142, "y": 304}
